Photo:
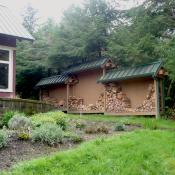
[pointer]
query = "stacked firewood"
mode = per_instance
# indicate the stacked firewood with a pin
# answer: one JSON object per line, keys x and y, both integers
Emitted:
{"x": 100, "y": 102}
{"x": 116, "y": 100}
{"x": 89, "y": 107}
{"x": 148, "y": 104}
{"x": 56, "y": 102}
{"x": 75, "y": 103}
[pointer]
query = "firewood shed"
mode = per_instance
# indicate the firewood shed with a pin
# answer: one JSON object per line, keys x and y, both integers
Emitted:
{"x": 100, "y": 87}
{"x": 135, "y": 90}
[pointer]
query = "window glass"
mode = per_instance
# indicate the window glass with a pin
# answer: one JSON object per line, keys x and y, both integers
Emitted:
{"x": 4, "y": 71}
{"x": 4, "y": 55}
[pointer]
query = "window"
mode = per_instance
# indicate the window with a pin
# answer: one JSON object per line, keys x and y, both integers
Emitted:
{"x": 6, "y": 70}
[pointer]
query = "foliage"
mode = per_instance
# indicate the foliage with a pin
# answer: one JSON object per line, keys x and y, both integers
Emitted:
{"x": 150, "y": 124}
{"x": 23, "y": 135}
{"x": 19, "y": 122}
{"x": 3, "y": 138}
{"x": 76, "y": 138}
{"x": 91, "y": 130}
{"x": 48, "y": 133}
{"x": 61, "y": 122}
{"x": 135, "y": 153}
{"x": 169, "y": 114}
{"x": 80, "y": 125}
{"x": 103, "y": 129}
{"x": 56, "y": 117}
{"x": 119, "y": 127}
{"x": 6, "y": 117}
{"x": 97, "y": 129}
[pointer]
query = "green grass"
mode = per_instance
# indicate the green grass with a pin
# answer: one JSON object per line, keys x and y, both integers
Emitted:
{"x": 146, "y": 122}
{"x": 146, "y": 152}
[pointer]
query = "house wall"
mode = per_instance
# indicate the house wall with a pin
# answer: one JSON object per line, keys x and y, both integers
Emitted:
{"x": 88, "y": 88}
{"x": 136, "y": 90}
{"x": 11, "y": 43}
{"x": 58, "y": 92}
{"x": 54, "y": 94}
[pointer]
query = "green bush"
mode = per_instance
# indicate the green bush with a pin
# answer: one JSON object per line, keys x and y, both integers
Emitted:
{"x": 91, "y": 130}
{"x": 103, "y": 129}
{"x": 3, "y": 138}
{"x": 80, "y": 125}
{"x": 61, "y": 121}
{"x": 76, "y": 138}
{"x": 23, "y": 135}
{"x": 6, "y": 117}
{"x": 48, "y": 133}
{"x": 49, "y": 117}
{"x": 97, "y": 129}
{"x": 119, "y": 127}
{"x": 19, "y": 122}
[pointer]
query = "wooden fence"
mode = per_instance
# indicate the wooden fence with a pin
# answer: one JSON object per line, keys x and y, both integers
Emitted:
{"x": 26, "y": 106}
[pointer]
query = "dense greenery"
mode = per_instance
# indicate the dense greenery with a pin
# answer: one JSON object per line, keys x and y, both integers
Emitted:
{"x": 135, "y": 153}
{"x": 98, "y": 28}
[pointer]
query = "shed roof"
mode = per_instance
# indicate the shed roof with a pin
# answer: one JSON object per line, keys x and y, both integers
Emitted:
{"x": 53, "y": 80}
{"x": 148, "y": 70}
{"x": 10, "y": 25}
{"x": 90, "y": 65}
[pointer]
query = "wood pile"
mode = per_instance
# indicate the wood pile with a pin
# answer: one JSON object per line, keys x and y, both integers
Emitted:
{"x": 56, "y": 102}
{"x": 148, "y": 104}
{"x": 75, "y": 103}
{"x": 116, "y": 100}
{"x": 100, "y": 102}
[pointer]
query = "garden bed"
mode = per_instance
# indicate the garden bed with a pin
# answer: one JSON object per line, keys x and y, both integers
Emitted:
{"x": 19, "y": 150}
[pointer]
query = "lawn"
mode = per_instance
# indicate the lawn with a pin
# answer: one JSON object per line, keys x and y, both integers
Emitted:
{"x": 145, "y": 122}
{"x": 139, "y": 152}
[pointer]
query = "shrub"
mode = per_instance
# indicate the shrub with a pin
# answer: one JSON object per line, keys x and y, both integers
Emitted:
{"x": 49, "y": 117}
{"x": 23, "y": 135}
{"x": 3, "y": 138}
{"x": 76, "y": 138}
{"x": 119, "y": 127}
{"x": 91, "y": 130}
{"x": 48, "y": 133}
{"x": 73, "y": 137}
{"x": 61, "y": 121}
{"x": 169, "y": 114}
{"x": 103, "y": 129}
{"x": 19, "y": 122}
{"x": 99, "y": 129}
{"x": 6, "y": 117}
{"x": 80, "y": 125}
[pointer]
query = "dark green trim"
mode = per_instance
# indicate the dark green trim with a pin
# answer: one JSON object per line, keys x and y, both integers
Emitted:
{"x": 148, "y": 70}
{"x": 163, "y": 94}
{"x": 158, "y": 99}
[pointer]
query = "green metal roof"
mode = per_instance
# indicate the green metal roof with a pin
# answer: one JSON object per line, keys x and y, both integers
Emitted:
{"x": 86, "y": 66}
{"x": 147, "y": 70}
{"x": 58, "y": 79}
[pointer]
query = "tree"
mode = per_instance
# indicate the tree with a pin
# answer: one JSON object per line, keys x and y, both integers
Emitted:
{"x": 30, "y": 19}
{"x": 84, "y": 32}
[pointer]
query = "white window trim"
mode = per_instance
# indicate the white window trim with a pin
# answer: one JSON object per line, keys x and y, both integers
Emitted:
{"x": 10, "y": 73}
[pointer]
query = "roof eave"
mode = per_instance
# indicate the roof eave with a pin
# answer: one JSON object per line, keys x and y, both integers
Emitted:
{"x": 125, "y": 78}
{"x": 18, "y": 37}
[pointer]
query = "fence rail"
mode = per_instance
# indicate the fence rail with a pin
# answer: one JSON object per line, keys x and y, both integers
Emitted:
{"x": 26, "y": 106}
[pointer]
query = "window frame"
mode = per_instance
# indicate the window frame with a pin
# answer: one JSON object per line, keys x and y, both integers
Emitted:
{"x": 10, "y": 70}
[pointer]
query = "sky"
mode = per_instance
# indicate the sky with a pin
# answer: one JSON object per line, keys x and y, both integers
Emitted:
{"x": 52, "y": 8}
